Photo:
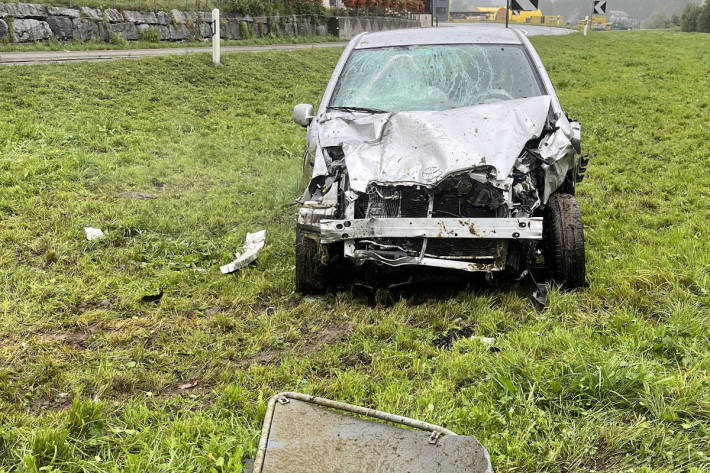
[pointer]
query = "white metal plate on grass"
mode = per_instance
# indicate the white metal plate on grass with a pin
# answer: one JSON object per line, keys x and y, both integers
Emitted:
{"x": 307, "y": 438}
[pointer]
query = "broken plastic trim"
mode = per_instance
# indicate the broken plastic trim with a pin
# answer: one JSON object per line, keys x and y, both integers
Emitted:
{"x": 253, "y": 244}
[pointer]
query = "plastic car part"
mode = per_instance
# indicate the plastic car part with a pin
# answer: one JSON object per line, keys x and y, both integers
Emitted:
{"x": 307, "y": 434}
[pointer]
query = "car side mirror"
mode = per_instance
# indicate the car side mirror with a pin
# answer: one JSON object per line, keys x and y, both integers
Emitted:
{"x": 303, "y": 114}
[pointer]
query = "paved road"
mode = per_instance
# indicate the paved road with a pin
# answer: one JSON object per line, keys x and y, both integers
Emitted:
{"x": 528, "y": 30}
{"x": 45, "y": 57}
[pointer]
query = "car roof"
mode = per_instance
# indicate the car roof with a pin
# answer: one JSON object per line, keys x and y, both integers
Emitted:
{"x": 476, "y": 34}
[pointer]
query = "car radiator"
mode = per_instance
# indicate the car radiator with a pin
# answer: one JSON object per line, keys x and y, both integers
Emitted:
{"x": 419, "y": 202}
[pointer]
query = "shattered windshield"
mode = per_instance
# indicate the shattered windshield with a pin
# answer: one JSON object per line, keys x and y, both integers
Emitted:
{"x": 434, "y": 77}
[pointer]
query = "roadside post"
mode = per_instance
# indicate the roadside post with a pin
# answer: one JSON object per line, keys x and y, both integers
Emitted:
{"x": 586, "y": 25}
{"x": 507, "y": 13}
{"x": 599, "y": 9}
{"x": 215, "y": 37}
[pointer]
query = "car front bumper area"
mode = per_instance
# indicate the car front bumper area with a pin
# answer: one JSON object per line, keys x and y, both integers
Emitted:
{"x": 354, "y": 232}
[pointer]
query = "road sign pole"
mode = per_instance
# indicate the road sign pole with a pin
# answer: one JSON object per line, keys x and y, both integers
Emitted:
{"x": 507, "y": 12}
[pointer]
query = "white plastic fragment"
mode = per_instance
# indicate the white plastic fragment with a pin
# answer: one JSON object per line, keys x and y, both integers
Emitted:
{"x": 488, "y": 341}
{"x": 93, "y": 233}
{"x": 253, "y": 244}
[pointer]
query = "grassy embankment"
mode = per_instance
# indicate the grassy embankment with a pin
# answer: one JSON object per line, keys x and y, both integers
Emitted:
{"x": 103, "y": 45}
{"x": 613, "y": 378}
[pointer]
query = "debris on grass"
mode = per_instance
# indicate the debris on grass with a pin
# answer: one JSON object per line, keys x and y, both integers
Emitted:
{"x": 270, "y": 310}
{"x": 488, "y": 341}
{"x": 93, "y": 233}
{"x": 253, "y": 244}
{"x": 154, "y": 298}
{"x": 540, "y": 293}
{"x": 447, "y": 339}
{"x": 189, "y": 385}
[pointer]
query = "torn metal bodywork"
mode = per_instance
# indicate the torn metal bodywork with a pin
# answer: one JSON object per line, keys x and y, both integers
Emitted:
{"x": 462, "y": 187}
{"x": 306, "y": 434}
{"x": 423, "y": 148}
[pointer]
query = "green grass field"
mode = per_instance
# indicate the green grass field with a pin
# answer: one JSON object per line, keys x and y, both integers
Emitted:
{"x": 102, "y": 45}
{"x": 613, "y": 378}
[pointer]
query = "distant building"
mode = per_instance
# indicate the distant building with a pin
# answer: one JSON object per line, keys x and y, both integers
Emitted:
{"x": 497, "y": 14}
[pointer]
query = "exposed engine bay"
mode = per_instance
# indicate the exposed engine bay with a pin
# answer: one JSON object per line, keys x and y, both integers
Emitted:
{"x": 461, "y": 189}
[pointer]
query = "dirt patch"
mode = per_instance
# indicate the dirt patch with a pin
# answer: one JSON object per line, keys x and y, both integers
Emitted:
{"x": 61, "y": 402}
{"x": 328, "y": 336}
{"x": 104, "y": 304}
{"x": 356, "y": 359}
{"x": 78, "y": 336}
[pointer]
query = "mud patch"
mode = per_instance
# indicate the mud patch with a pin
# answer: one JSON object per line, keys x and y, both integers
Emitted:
{"x": 328, "y": 336}
{"x": 103, "y": 304}
{"x": 61, "y": 402}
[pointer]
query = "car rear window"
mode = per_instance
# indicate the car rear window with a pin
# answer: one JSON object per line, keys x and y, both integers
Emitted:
{"x": 435, "y": 77}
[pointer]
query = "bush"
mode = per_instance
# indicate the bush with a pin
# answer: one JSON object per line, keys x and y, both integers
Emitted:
{"x": 118, "y": 40}
{"x": 7, "y": 439}
{"x": 244, "y": 31}
{"x": 245, "y": 7}
{"x": 273, "y": 7}
{"x": 151, "y": 35}
{"x": 86, "y": 418}
{"x": 50, "y": 447}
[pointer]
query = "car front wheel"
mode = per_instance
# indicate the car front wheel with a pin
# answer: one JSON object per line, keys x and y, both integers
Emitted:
{"x": 310, "y": 271}
{"x": 563, "y": 241}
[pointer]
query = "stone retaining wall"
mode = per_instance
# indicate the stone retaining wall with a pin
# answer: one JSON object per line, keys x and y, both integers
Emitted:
{"x": 28, "y": 22}
{"x": 347, "y": 27}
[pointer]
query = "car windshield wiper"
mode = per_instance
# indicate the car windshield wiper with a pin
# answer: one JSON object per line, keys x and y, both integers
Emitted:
{"x": 358, "y": 109}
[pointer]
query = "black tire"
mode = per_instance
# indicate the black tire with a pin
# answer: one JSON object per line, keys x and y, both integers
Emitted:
{"x": 310, "y": 270}
{"x": 563, "y": 241}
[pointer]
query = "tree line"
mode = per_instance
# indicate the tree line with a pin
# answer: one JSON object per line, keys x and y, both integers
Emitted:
{"x": 696, "y": 18}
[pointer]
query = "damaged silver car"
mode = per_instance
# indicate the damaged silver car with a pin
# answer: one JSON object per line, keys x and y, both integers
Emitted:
{"x": 440, "y": 148}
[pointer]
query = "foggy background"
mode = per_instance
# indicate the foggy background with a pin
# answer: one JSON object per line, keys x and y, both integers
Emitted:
{"x": 572, "y": 10}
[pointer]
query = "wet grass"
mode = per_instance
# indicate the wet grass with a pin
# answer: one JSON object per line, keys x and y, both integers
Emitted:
{"x": 103, "y": 45}
{"x": 613, "y": 378}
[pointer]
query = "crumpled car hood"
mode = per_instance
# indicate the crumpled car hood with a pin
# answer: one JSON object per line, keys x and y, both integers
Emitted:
{"x": 425, "y": 147}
